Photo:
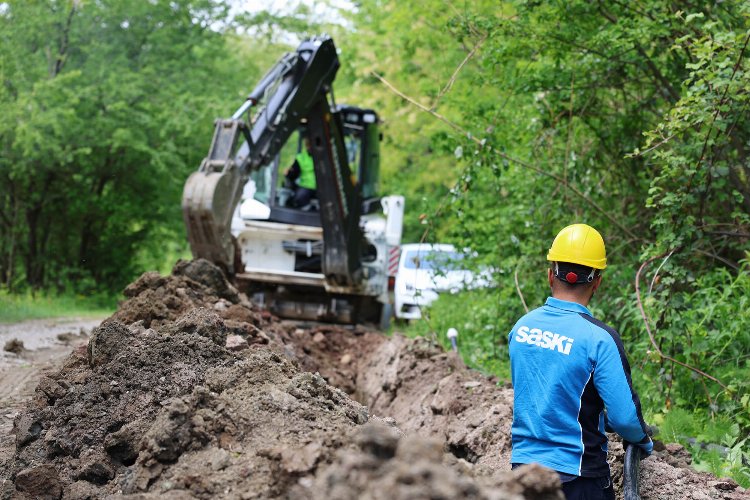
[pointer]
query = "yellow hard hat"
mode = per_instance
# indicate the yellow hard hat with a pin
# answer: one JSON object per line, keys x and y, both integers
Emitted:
{"x": 579, "y": 244}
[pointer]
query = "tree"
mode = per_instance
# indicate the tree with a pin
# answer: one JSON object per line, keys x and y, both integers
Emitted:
{"x": 108, "y": 106}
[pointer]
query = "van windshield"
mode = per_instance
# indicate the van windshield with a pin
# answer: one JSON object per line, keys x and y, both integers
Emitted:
{"x": 433, "y": 260}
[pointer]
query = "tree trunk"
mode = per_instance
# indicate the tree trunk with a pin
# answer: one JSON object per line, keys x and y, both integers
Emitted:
{"x": 32, "y": 253}
{"x": 11, "y": 249}
{"x": 89, "y": 233}
{"x": 34, "y": 256}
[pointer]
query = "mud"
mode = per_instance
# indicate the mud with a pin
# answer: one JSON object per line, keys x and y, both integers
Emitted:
{"x": 188, "y": 391}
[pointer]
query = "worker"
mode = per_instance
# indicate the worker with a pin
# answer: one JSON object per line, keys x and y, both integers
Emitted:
{"x": 303, "y": 172}
{"x": 567, "y": 368}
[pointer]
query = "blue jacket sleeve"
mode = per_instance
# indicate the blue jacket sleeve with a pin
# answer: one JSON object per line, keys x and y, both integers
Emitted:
{"x": 612, "y": 381}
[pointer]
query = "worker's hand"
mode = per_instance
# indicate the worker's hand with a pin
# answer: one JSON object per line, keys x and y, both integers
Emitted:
{"x": 647, "y": 445}
{"x": 647, "y": 448}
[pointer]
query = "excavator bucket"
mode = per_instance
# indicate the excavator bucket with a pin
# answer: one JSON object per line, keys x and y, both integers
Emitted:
{"x": 208, "y": 201}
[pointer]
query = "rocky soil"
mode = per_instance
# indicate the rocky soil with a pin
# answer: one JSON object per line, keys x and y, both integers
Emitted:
{"x": 22, "y": 362}
{"x": 188, "y": 391}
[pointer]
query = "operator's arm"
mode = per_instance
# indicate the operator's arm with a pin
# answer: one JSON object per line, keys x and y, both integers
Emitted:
{"x": 612, "y": 381}
{"x": 292, "y": 173}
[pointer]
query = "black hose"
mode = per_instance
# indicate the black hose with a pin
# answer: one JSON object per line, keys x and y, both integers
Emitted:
{"x": 631, "y": 473}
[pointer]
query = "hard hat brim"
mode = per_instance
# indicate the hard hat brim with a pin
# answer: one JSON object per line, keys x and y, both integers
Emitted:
{"x": 595, "y": 263}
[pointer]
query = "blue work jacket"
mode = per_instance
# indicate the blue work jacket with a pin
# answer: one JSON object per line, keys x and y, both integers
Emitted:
{"x": 567, "y": 367}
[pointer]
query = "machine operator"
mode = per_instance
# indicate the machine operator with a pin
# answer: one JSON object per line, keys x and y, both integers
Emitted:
{"x": 301, "y": 175}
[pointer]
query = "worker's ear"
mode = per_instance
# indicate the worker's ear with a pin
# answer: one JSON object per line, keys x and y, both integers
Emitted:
{"x": 550, "y": 277}
{"x": 597, "y": 281}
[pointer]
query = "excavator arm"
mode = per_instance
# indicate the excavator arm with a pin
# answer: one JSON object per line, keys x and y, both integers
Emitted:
{"x": 296, "y": 88}
{"x": 340, "y": 207}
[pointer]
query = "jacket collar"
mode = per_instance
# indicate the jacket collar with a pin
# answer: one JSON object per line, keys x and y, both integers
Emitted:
{"x": 573, "y": 307}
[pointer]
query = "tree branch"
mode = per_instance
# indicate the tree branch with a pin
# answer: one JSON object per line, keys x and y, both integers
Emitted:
{"x": 453, "y": 77}
{"x": 482, "y": 144}
{"x": 518, "y": 289}
{"x": 656, "y": 274}
{"x": 648, "y": 327}
{"x": 63, "y": 49}
{"x": 658, "y": 75}
{"x": 728, "y": 262}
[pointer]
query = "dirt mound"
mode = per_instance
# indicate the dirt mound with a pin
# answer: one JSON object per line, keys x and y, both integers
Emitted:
{"x": 189, "y": 392}
{"x": 430, "y": 391}
{"x": 157, "y": 405}
{"x": 88, "y": 418}
{"x": 154, "y": 300}
{"x": 390, "y": 465}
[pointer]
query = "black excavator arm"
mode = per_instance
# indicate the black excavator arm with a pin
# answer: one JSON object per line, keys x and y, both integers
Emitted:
{"x": 297, "y": 88}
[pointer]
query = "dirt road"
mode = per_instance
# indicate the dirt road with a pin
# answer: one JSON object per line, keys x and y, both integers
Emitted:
{"x": 188, "y": 391}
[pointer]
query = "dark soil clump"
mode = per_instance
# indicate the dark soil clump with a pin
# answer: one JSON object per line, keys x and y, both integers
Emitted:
{"x": 14, "y": 345}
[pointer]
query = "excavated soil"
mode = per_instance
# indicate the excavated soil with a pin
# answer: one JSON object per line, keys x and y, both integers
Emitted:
{"x": 188, "y": 391}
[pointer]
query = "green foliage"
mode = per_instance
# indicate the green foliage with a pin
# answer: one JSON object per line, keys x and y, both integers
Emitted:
{"x": 629, "y": 117}
{"x": 108, "y": 108}
{"x": 700, "y": 190}
{"x": 716, "y": 444}
{"x": 704, "y": 325}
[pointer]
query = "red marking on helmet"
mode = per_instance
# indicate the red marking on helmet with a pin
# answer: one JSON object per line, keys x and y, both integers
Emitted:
{"x": 571, "y": 277}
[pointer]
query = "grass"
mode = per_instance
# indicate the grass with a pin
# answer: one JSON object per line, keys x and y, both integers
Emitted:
{"x": 20, "y": 307}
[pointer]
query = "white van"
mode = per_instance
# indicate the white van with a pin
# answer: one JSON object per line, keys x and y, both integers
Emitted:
{"x": 424, "y": 271}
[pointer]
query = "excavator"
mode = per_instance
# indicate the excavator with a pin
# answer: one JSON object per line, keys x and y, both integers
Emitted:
{"x": 333, "y": 259}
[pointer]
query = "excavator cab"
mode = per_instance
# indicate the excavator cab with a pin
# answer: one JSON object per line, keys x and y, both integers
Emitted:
{"x": 269, "y": 187}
